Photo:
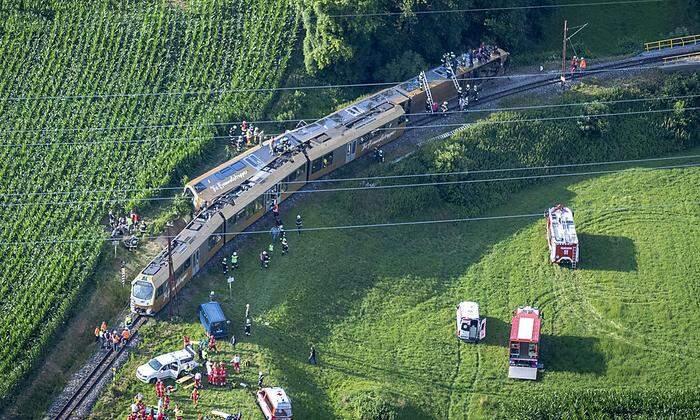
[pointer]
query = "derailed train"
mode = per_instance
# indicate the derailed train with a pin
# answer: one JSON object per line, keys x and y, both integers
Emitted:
{"x": 235, "y": 194}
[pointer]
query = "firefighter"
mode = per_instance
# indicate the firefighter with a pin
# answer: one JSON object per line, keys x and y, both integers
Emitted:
{"x": 236, "y": 363}
{"x": 299, "y": 224}
{"x": 444, "y": 108}
{"x": 224, "y": 265}
{"x": 126, "y": 335}
{"x": 260, "y": 379}
{"x": 103, "y": 327}
{"x": 128, "y": 320}
{"x": 116, "y": 338}
{"x": 247, "y": 326}
{"x": 234, "y": 260}
{"x": 312, "y": 355}
{"x": 197, "y": 380}
{"x": 271, "y": 248}
{"x": 264, "y": 260}
{"x": 285, "y": 246}
{"x": 233, "y": 341}
{"x": 583, "y": 63}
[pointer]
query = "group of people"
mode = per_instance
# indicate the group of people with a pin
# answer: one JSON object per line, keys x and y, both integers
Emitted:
{"x": 127, "y": 227}
{"x": 113, "y": 339}
{"x": 216, "y": 373}
{"x": 577, "y": 64}
{"x": 249, "y": 135}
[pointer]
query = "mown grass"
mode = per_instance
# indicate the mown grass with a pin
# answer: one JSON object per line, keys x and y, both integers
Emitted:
{"x": 378, "y": 304}
{"x": 613, "y": 29}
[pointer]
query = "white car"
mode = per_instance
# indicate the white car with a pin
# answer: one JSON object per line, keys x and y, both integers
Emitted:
{"x": 167, "y": 366}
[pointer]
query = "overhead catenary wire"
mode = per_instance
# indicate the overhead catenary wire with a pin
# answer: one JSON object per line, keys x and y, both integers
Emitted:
{"x": 589, "y": 71}
{"x": 371, "y": 225}
{"x": 426, "y": 126}
{"x": 384, "y": 177}
{"x": 297, "y": 120}
{"x": 372, "y": 187}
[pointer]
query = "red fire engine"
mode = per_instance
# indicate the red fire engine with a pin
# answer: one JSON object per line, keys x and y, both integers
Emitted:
{"x": 561, "y": 236}
{"x": 525, "y": 343}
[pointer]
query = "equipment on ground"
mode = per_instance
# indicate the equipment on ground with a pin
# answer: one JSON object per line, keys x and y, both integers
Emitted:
{"x": 561, "y": 236}
{"x": 470, "y": 327}
{"x": 525, "y": 344}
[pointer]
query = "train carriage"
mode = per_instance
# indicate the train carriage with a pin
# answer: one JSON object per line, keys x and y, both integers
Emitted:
{"x": 233, "y": 195}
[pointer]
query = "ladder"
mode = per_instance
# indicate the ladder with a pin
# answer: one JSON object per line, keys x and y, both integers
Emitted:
{"x": 426, "y": 87}
{"x": 453, "y": 76}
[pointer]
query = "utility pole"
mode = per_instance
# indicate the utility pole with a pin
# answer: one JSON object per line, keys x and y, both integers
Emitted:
{"x": 563, "y": 55}
{"x": 174, "y": 307}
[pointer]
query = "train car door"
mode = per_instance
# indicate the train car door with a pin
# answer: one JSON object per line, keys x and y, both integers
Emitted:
{"x": 195, "y": 262}
{"x": 352, "y": 151}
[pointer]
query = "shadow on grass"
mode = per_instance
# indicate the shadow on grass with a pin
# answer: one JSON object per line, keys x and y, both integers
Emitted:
{"x": 608, "y": 253}
{"x": 572, "y": 354}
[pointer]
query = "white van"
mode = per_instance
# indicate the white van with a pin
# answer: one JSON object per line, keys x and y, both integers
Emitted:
{"x": 470, "y": 327}
{"x": 275, "y": 404}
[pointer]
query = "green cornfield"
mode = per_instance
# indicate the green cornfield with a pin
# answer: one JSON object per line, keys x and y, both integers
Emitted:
{"x": 100, "y": 101}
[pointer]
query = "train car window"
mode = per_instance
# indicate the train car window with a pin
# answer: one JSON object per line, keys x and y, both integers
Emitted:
{"x": 322, "y": 162}
{"x": 213, "y": 240}
{"x": 259, "y": 204}
{"x": 161, "y": 290}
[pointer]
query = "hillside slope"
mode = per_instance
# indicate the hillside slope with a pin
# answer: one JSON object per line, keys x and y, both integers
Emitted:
{"x": 378, "y": 304}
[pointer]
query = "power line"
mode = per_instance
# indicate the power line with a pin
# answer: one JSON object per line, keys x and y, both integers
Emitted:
{"x": 589, "y": 71}
{"x": 490, "y": 9}
{"x": 236, "y": 123}
{"x": 375, "y": 225}
{"x": 484, "y": 122}
{"x": 371, "y": 178}
{"x": 373, "y": 187}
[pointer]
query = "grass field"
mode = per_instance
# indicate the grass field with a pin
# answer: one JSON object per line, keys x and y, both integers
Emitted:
{"x": 612, "y": 29}
{"x": 94, "y": 116}
{"x": 378, "y": 304}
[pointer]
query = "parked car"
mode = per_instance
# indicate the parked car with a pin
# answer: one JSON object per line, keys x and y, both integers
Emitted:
{"x": 168, "y": 366}
{"x": 212, "y": 318}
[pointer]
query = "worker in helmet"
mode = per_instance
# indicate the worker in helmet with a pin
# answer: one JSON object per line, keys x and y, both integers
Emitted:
{"x": 582, "y": 63}
{"x": 234, "y": 260}
{"x": 444, "y": 108}
{"x": 224, "y": 265}
{"x": 128, "y": 320}
{"x": 264, "y": 260}
{"x": 285, "y": 246}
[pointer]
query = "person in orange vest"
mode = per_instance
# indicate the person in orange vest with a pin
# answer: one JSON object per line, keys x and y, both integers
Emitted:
{"x": 115, "y": 340}
{"x": 126, "y": 335}
{"x": 582, "y": 63}
{"x": 195, "y": 397}
{"x": 97, "y": 334}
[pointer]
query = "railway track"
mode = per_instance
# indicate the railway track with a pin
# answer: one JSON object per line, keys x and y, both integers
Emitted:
{"x": 105, "y": 363}
{"x": 555, "y": 78}
{"x": 88, "y": 384}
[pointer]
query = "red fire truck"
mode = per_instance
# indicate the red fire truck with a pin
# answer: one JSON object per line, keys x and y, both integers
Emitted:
{"x": 525, "y": 343}
{"x": 561, "y": 236}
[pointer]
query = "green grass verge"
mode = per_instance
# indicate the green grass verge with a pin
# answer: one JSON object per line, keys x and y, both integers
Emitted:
{"x": 379, "y": 304}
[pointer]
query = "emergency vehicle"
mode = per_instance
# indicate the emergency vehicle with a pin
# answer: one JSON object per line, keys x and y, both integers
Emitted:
{"x": 275, "y": 404}
{"x": 525, "y": 343}
{"x": 561, "y": 236}
{"x": 470, "y": 327}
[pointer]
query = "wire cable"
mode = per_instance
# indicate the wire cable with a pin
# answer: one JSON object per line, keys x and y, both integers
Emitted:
{"x": 383, "y": 177}
{"x": 297, "y": 120}
{"x": 589, "y": 71}
{"x": 371, "y": 225}
{"x": 372, "y": 187}
{"x": 427, "y": 126}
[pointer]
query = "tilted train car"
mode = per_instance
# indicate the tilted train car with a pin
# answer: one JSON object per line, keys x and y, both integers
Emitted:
{"x": 232, "y": 196}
